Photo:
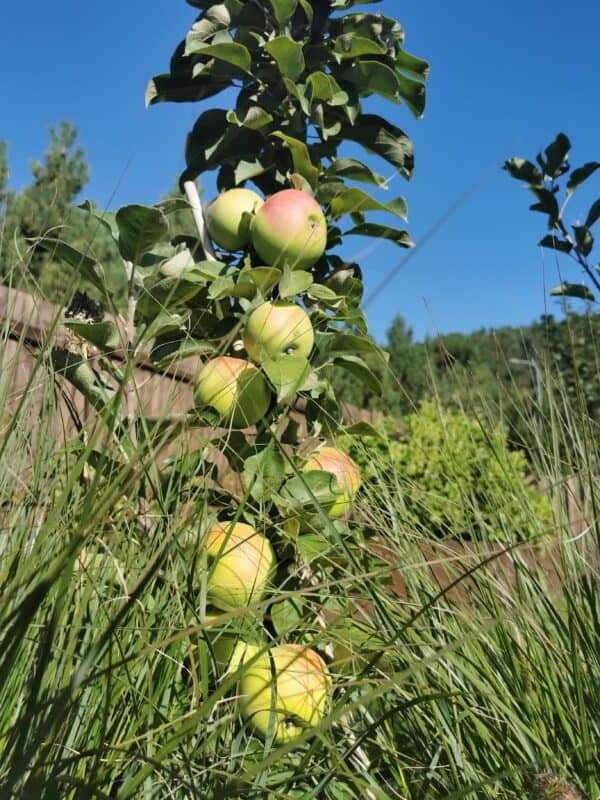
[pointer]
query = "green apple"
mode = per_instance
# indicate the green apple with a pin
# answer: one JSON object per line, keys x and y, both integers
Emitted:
{"x": 241, "y": 564}
{"x": 346, "y": 473}
{"x": 283, "y": 690}
{"x": 235, "y": 388}
{"x": 278, "y": 328}
{"x": 229, "y": 215}
{"x": 289, "y": 228}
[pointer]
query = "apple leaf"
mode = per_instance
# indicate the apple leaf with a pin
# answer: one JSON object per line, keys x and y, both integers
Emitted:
{"x": 294, "y": 282}
{"x": 321, "y": 86}
{"x": 287, "y": 55}
{"x": 288, "y": 374}
{"x": 85, "y": 265}
{"x": 264, "y": 278}
{"x": 584, "y": 239}
{"x": 264, "y": 472}
{"x": 578, "y": 176}
{"x": 286, "y": 615}
{"x": 379, "y": 136}
{"x": 578, "y": 290}
{"x": 350, "y": 200}
{"x": 140, "y": 228}
{"x": 230, "y": 52}
{"x": 524, "y": 170}
{"x": 355, "y": 170}
{"x": 398, "y": 237}
{"x": 104, "y": 335}
{"x": 283, "y": 10}
{"x": 358, "y": 368}
{"x": 310, "y": 489}
{"x": 593, "y": 214}
{"x": 553, "y": 243}
{"x": 300, "y": 157}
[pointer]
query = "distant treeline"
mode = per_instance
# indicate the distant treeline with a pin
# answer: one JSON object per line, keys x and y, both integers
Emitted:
{"x": 488, "y": 368}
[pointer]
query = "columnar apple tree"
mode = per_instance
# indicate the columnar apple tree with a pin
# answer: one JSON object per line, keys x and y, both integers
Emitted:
{"x": 260, "y": 294}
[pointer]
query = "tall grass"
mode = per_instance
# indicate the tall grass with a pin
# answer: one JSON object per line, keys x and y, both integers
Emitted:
{"x": 461, "y": 669}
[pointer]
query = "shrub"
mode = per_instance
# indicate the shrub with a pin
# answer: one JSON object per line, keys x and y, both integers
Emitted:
{"x": 455, "y": 476}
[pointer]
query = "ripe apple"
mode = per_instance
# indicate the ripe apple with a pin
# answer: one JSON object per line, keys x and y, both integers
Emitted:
{"x": 228, "y": 217}
{"x": 235, "y": 388}
{"x": 276, "y": 328}
{"x": 289, "y": 228}
{"x": 242, "y": 561}
{"x": 346, "y": 473}
{"x": 283, "y": 690}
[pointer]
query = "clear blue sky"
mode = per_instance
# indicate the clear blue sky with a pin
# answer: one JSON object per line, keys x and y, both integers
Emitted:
{"x": 505, "y": 78}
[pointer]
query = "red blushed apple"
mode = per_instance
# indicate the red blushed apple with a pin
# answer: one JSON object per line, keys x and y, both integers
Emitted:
{"x": 346, "y": 473}
{"x": 290, "y": 229}
{"x": 229, "y": 215}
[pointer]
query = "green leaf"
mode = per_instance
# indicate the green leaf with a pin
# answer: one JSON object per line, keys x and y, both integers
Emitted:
{"x": 294, "y": 282}
{"x": 373, "y": 77}
{"x": 287, "y": 373}
{"x": 524, "y": 170}
{"x": 413, "y": 93}
{"x": 348, "y": 45}
{"x": 301, "y": 158}
{"x": 547, "y": 204}
{"x": 298, "y": 492}
{"x": 556, "y": 156}
{"x": 579, "y": 175}
{"x": 412, "y": 64}
{"x": 264, "y": 278}
{"x": 319, "y": 292}
{"x": 288, "y": 56}
{"x": 104, "y": 335}
{"x": 578, "y": 290}
{"x": 140, "y": 228}
{"x": 352, "y": 200}
{"x": 230, "y": 52}
{"x": 255, "y": 117}
{"x": 321, "y": 86}
{"x": 286, "y": 615}
{"x": 584, "y": 239}
{"x": 216, "y": 18}
{"x": 264, "y": 472}
{"x": 360, "y": 370}
{"x": 355, "y": 170}
{"x": 593, "y": 214}
{"x": 553, "y": 243}
{"x": 283, "y": 10}
{"x": 86, "y": 266}
{"x": 345, "y": 343}
{"x": 379, "y": 136}
{"x": 401, "y": 238}
{"x": 364, "y": 428}
{"x": 105, "y": 218}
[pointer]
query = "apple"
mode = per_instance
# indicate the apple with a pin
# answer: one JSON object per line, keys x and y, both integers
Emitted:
{"x": 346, "y": 473}
{"x": 241, "y": 563}
{"x": 289, "y": 228}
{"x": 283, "y": 690}
{"x": 278, "y": 328}
{"x": 228, "y": 217}
{"x": 235, "y": 388}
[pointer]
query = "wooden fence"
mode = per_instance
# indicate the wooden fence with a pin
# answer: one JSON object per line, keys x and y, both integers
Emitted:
{"x": 28, "y": 323}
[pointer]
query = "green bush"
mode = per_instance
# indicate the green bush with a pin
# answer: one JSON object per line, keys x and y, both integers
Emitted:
{"x": 455, "y": 476}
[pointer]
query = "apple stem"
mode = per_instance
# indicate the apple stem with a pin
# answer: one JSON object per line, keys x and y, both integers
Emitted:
{"x": 191, "y": 191}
